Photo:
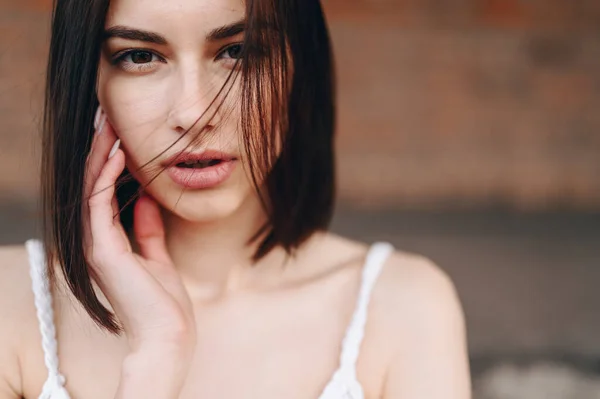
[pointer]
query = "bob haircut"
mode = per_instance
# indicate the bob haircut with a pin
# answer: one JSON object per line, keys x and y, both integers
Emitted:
{"x": 286, "y": 76}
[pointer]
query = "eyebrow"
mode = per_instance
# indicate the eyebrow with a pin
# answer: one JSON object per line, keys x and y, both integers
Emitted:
{"x": 124, "y": 32}
{"x": 227, "y": 31}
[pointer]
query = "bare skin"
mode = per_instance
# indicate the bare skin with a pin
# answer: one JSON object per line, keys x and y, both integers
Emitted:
{"x": 272, "y": 341}
{"x": 200, "y": 320}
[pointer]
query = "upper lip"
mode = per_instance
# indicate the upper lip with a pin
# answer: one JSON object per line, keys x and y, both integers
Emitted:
{"x": 205, "y": 155}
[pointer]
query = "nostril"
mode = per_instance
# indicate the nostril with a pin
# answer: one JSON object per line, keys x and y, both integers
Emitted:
{"x": 196, "y": 128}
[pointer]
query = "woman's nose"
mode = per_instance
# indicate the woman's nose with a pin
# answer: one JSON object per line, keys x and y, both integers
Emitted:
{"x": 194, "y": 106}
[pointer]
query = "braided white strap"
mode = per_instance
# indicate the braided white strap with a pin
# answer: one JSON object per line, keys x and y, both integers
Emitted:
{"x": 54, "y": 385}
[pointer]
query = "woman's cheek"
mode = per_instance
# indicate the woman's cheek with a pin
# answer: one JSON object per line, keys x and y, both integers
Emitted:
{"x": 136, "y": 110}
{"x": 137, "y": 107}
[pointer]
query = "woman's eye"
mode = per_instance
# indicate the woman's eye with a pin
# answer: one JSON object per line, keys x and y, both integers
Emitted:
{"x": 233, "y": 52}
{"x": 137, "y": 60}
{"x": 140, "y": 57}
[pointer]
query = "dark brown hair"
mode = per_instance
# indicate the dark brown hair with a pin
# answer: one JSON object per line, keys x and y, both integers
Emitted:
{"x": 286, "y": 77}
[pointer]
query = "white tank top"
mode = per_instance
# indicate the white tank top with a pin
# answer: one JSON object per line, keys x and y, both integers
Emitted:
{"x": 343, "y": 384}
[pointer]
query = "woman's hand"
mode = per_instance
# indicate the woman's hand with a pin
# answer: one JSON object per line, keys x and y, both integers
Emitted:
{"x": 144, "y": 290}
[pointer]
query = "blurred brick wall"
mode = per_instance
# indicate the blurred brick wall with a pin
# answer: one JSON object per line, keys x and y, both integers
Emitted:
{"x": 443, "y": 103}
{"x": 24, "y": 26}
{"x": 459, "y": 103}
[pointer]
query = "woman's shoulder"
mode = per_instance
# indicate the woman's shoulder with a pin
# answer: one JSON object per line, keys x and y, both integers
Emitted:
{"x": 416, "y": 328}
{"x": 403, "y": 272}
{"x": 17, "y": 312}
{"x": 15, "y": 282}
{"x": 411, "y": 290}
{"x": 416, "y": 278}
{"x": 416, "y": 290}
{"x": 418, "y": 325}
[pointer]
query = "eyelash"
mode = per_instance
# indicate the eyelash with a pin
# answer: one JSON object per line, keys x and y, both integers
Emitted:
{"x": 119, "y": 58}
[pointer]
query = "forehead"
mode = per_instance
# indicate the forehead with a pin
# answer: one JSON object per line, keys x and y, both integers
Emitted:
{"x": 175, "y": 17}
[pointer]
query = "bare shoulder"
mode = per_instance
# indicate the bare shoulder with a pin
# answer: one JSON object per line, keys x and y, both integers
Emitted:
{"x": 16, "y": 298}
{"x": 419, "y": 316}
{"x": 17, "y": 312}
{"x": 414, "y": 279}
{"x": 413, "y": 300}
{"x": 408, "y": 282}
{"x": 405, "y": 275}
{"x": 417, "y": 297}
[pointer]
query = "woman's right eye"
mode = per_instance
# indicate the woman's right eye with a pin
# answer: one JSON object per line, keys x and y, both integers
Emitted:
{"x": 137, "y": 60}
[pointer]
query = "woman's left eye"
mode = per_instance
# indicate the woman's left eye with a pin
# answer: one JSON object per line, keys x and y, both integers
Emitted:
{"x": 233, "y": 52}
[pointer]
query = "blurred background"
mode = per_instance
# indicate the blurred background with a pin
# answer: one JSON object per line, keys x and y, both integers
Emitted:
{"x": 469, "y": 131}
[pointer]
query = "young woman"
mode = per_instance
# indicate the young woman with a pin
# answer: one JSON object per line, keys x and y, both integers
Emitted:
{"x": 187, "y": 186}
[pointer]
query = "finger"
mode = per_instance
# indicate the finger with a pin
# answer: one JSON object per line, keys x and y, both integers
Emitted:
{"x": 93, "y": 166}
{"x": 102, "y": 220}
{"x": 149, "y": 230}
{"x": 97, "y": 119}
{"x": 150, "y": 235}
{"x": 104, "y": 139}
{"x": 117, "y": 221}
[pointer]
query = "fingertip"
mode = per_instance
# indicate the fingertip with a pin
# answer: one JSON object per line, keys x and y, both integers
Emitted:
{"x": 114, "y": 148}
{"x": 118, "y": 155}
{"x": 97, "y": 117}
{"x": 105, "y": 131}
{"x": 114, "y": 166}
{"x": 147, "y": 219}
{"x": 144, "y": 201}
{"x": 142, "y": 193}
{"x": 108, "y": 128}
{"x": 101, "y": 125}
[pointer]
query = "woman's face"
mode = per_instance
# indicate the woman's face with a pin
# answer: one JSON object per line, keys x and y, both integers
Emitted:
{"x": 162, "y": 65}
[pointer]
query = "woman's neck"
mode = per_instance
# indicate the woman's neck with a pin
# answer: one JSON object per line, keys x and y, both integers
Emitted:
{"x": 214, "y": 258}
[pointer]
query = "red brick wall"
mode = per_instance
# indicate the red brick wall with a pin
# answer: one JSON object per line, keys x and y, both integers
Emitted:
{"x": 469, "y": 103}
{"x": 443, "y": 103}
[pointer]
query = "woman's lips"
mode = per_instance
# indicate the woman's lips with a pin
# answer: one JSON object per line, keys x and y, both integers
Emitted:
{"x": 205, "y": 155}
{"x": 201, "y": 177}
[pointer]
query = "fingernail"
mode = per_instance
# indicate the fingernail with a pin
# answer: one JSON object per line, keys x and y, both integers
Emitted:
{"x": 101, "y": 125}
{"x": 97, "y": 117}
{"x": 114, "y": 148}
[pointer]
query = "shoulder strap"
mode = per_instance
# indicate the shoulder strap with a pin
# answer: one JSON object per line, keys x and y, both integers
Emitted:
{"x": 54, "y": 386}
{"x": 376, "y": 257}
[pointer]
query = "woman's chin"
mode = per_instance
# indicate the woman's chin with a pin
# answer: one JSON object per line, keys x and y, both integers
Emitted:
{"x": 203, "y": 206}
{"x": 237, "y": 196}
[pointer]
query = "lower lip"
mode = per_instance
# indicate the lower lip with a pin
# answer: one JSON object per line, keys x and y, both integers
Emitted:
{"x": 196, "y": 178}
